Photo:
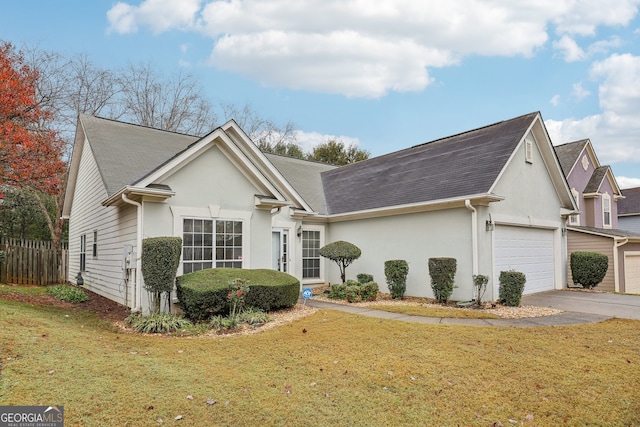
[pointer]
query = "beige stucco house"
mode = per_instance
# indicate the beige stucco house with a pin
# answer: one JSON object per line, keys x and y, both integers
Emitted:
{"x": 494, "y": 198}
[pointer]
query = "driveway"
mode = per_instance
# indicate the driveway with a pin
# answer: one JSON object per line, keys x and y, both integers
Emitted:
{"x": 606, "y": 304}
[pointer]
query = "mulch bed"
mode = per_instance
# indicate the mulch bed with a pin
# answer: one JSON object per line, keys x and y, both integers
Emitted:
{"x": 101, "y": 306}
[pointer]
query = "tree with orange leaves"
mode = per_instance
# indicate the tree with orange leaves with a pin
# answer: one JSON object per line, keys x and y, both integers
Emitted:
{"x": 30, "y": 153}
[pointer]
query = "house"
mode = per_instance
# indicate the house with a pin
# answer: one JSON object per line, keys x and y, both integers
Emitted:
{"x": 494, "y": 198}
{"x": 596, "y": 227}
{"x": 629, "y": 210}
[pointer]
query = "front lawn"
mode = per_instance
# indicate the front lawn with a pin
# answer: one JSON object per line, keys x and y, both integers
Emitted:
{"x": 330, "y": 368}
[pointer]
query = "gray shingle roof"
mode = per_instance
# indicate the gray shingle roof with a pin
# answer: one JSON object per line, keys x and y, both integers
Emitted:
{"x": 304, "y": 177}
{"x": 568, "y": 154}
{"x": 631, "y": 203}
{"x": 460, "y": 165}
{"x": 126, "y": 153}
{"x": 596, "y": 179}
{"x": 613, "y": 232}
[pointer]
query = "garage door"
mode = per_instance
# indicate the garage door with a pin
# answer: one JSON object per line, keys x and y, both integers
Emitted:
{"x": 632, "y": 272}
{"x": 528, "y": 250}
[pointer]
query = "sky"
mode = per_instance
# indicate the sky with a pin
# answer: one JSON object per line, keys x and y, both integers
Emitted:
{"x": 382, "y": 74}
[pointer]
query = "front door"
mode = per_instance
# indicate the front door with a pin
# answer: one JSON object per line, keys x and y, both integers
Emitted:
{"x": 280, "y": 250}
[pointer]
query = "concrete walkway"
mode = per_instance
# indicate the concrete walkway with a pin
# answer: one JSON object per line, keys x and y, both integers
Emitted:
{"x": 579, "y": 308}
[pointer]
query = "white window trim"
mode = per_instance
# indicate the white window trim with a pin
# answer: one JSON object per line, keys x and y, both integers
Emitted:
{"x": 606, "y": 197}
{"x": 575, "y": 218}
{"x": 313, "y": 280}
{"x": 83, "y": 253}
{"x": 214, "y": 213}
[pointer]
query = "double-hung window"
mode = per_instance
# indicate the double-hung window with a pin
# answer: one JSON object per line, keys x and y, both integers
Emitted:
{"x": 83, "y": 252}
{"x": 310, "y": 254}
{"x": 606, "y": 210}
{"x": 209, "y": 243}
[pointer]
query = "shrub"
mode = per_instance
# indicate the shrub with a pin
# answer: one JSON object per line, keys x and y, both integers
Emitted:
{"x": 204, "y": 293}
{"x": 480, "y": 286}
{"x": 353, "y": 291}
{"x": 68, "y": 293}
{"x": 253, "y": 316}
{"x": 442, "y": 272}
{"x": 160, "y": 259}
{"x": 396, "y": 272}
{"x": 588, "y": 268}
{"x": 364, "y": 278}
{"x": 511, "y": 287}
{"x": 342, "y": 253}
{"x": 157, "y": 323}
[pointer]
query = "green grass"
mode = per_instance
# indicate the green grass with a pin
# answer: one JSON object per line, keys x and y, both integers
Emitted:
{"x": 430, "y": 311}
{"x": 29, "y": 290}
{"x": 330, "y": 368}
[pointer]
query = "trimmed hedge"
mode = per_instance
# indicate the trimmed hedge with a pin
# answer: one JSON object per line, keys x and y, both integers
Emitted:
{"x": 511, "y": 287}
{"x": 396, "y": 271}
{"x": 442, "y": 272}
{"x": 204, "y": 293}
{"x": 353, "y": 291}
{"x": 365, "y": 278}
{"x": 159, "y": 263}
{"x": 588, "y": 268}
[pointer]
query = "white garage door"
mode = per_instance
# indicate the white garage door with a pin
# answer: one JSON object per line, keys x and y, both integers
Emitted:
{"x": 528, "y": 250}
{"x": 632, "y": 272}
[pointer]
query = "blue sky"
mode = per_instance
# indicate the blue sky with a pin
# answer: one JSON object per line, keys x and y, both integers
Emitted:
{"x": 384, "y": 74}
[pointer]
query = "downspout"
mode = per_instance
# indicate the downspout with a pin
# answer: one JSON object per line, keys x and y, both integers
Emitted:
{"x": 616, "y": 244}
{"x": 137, "y": 307}
{"x": 474, "y": 235}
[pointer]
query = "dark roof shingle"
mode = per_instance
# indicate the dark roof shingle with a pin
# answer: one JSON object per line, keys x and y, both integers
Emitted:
{"x": 568, "y": 154}
{"x": 460, "y": 165}
{"x": 631, "y": 203}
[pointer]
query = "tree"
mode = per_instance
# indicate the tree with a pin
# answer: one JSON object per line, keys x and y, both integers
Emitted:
{"x": 342, "y": 253}
{"x": 335, "y": 153}
{"x": 30, "y": 151}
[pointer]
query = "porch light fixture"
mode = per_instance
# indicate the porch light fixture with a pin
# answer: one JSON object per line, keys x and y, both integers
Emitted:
{"x": 489, "y": 225}
{"x": 299, "y": 231}
{"x": 564, "y": 231}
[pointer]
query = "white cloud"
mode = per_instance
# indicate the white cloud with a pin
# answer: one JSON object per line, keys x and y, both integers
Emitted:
{"x": 159, "y": 15}
{"x": 580, "y": 92}
{"x": 624, "y": 182}
{"x": 366, "y": 49}
{"x": 308, "y": 140}
{"x": 569, "y": 49}
{"x": 555, "y": 100}
{"x": 614, "y": 131}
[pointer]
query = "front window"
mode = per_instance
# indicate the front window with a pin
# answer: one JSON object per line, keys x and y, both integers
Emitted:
{"x": 606, "y": 210}
{"x": 211, "y": 243}
{"x": 310, "y": 254}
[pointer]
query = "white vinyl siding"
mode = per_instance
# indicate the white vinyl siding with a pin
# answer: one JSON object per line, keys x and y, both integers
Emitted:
{"x": 116, "y": 226}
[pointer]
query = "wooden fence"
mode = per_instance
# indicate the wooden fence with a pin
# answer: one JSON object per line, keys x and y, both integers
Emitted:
{"x": 30, "y": 262}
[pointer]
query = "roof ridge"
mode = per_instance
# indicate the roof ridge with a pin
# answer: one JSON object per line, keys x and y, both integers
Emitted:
{"x": 139, "y": 125}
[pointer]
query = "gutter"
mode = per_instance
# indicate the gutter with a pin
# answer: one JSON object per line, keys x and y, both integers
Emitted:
{"x": 137, "y": 294}
{"x": 616, "y": 244}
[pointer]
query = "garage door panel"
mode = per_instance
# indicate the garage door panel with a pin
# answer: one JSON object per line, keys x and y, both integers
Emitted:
{"x": 632, "y": 273}
{"x": 528, "y": 250}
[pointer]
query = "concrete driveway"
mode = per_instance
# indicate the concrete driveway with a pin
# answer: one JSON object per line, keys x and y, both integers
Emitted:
{"x": 605, "y": 304}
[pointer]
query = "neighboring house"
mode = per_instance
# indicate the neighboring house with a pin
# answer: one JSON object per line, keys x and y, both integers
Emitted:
{"x": 629, "y": 210}
{"x": 494, "y": 198}
{"x": 596, "y": 227}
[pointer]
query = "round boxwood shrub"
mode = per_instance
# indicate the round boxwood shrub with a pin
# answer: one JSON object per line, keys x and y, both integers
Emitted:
{"x": 203, "y": 294}
{"x": 588, "y": 268}
{"x": 442, "y": 272}
{"x": 342, "y": 253}
{"x": 511, "y": 287}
